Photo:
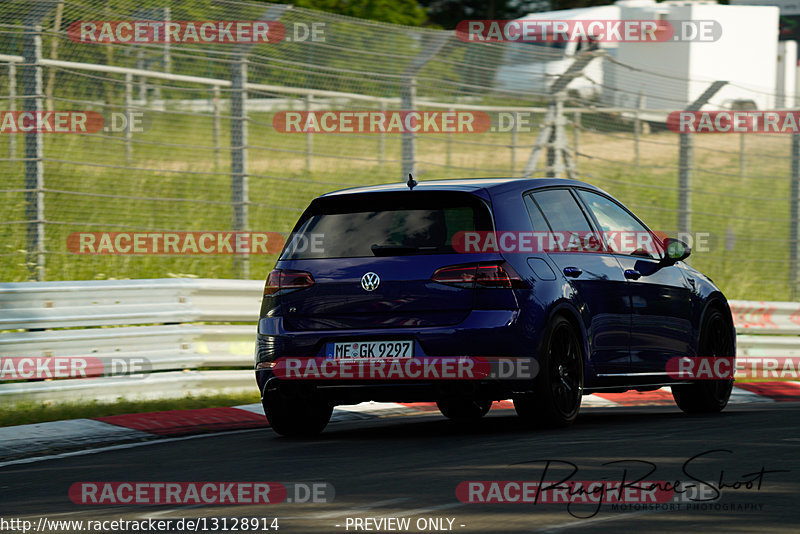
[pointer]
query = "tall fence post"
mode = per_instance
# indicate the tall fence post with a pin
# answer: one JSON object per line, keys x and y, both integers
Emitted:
{"x": 32, "y": 102}
{"x": 128, "y": 115}
{"x": 448, "y": 159}
{"x": 794, "y": 217}
{"x": 239, "y": 193}
{"x": 514, "y": 141}
{"x": 215, "y": 128}
{"x": 382, "y": 138}
{"x": 637, "y": 128}
{"x": 12, "y": 106}
{"x": 742, "y": 163}
{"x": 431, "y": 45}
{"x": 142, "y": 79}
{"x": 576, "y": 136}
{"x": 409, "y": 139}
{"x": 686, "y": 162}
{"x": 309, "y": 137}
{"x": 551, "y": 136}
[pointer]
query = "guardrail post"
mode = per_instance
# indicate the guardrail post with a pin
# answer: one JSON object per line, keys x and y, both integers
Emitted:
{"x": 239, "y": 193}
{"x": 32, "y": 102}
{"x": 794, "y": 217}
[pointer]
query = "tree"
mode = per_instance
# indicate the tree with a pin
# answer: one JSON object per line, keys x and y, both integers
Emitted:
{"x": 406, "y": 12}
{"x": 448, "y": 13}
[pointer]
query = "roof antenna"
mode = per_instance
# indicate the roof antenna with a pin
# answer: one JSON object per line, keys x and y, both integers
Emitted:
{"x": 411, "y": 182}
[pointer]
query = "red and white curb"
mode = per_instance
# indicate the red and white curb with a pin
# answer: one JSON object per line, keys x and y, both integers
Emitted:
{"x": 52, "y": 437}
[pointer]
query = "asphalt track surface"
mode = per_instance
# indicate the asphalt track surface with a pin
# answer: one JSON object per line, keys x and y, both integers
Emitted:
{"x": 409, "y": 467}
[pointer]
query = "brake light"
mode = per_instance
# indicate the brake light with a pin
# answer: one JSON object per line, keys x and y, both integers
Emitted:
{"x": 498, "y": 275}
{"x": 282, "y": 279}
{"x": 456, "y": 275}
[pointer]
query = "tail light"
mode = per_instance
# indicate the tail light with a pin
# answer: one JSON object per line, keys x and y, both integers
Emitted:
{"x": 499, "y": 275}
{"x": 283, "y": 279}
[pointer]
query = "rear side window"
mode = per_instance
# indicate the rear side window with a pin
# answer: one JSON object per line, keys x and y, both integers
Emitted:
{"x": 537, "y": 219}
{"x": 561, "y": 211}
{"x": 386, "y": 224}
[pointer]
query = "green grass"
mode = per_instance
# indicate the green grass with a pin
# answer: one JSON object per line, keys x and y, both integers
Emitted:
{"x": 39, "y": 412}
{"x": 747, "y": 216}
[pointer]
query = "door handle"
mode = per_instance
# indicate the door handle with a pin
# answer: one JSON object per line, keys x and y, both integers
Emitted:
{"x": 573, "y": 272}
{"x": 632, "y": 274}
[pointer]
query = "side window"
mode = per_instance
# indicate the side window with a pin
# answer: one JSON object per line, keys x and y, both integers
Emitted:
{"x": 537, "y": 219}
{"x": 564, "y": 217}
{"x": 624, "y": 234}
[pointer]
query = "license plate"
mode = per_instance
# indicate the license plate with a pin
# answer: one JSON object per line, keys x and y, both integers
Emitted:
{"x": 365, "y": 350}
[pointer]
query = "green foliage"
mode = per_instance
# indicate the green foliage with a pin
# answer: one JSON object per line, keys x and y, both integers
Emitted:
{"x": 405, "y": 12}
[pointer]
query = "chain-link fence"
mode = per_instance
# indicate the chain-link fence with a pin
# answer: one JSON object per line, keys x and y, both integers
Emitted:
{"x": 209, "y": 149}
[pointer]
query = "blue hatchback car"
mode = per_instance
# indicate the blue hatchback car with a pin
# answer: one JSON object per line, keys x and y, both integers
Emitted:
{"x": 383, "y": 273}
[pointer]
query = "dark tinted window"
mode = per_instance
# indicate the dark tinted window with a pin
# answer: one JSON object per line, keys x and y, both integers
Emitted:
{"x": 537, "y": 219}
{"x": 561, "y": 211}
{"x": 386, "y": 224}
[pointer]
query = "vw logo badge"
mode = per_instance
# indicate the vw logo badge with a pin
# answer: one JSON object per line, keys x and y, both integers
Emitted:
{"x": 370, "y": 281}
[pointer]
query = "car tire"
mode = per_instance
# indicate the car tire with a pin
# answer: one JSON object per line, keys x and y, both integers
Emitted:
{"x": 708, "y": 396}
{"x": 296, "y": 417}
{"x": 464, "y": 409}
{"x": 558, "y": 388}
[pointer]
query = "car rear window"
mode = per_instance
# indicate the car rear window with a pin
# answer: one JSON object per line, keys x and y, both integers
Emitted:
{"x": 385, "y": 224}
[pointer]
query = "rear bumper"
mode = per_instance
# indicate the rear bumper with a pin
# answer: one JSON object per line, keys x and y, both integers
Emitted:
{"x": 492, "y": 333}
{"x": 343, "y": 392}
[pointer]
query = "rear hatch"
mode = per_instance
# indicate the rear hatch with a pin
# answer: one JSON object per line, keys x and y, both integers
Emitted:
{"x": 366, "y": 260}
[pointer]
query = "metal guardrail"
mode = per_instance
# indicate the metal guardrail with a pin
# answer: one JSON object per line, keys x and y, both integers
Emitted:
{"x": 172, "y": 324}
{"x": 181, "y": 328}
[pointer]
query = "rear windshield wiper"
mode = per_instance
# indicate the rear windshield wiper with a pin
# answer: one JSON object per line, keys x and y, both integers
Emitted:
{"x": 398, "y": 250}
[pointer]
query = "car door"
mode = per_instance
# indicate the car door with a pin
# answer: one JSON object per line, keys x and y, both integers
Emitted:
{"x": 661, "y": 325}
{"x": 596, "y": 277}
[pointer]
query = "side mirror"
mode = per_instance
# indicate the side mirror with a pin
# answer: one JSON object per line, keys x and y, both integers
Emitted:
{"x": 675, "y": 251}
